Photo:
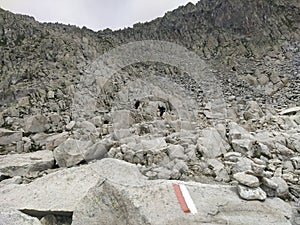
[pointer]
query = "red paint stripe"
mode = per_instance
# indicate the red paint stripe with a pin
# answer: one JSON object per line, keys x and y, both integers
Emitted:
{"x": 181, "y": 199}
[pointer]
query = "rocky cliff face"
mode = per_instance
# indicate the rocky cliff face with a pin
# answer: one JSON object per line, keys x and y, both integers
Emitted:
{"x": 34, "y": 54}
{"x": 224, "y": 28}
{"x": 209, "y": 93}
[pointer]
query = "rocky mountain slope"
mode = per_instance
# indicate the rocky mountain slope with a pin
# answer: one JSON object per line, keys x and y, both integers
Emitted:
{"x": 206, "y": 97}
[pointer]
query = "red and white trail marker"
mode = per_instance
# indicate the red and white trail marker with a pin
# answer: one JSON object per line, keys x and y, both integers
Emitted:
{"x": 184, "y": 198}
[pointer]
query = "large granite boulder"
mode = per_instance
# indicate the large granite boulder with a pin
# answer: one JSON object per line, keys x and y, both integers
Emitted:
{"x": 155, "y": 202}
{"x": 114, "y": 192}
{"x": 27, "y": 163}
{"x": 71, "y": 152}
{"x": 14, "y": 217}
{"x": 211, "y": 144}
{"x": 35, "y": 124}
{"x": 9, "y": 137}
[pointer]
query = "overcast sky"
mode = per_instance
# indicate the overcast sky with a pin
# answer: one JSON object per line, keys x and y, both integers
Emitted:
{"x": 94, "y": 14}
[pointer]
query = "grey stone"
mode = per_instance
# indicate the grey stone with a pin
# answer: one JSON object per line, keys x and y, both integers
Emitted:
{"x": 190, "y": 152}
{"x": 49, "y": 220}
{"x": 121, "y": 134}
{"x": 176, "y": 152}
{"x": 222, "y": 131}
{"x": 155, "y": 202}
{"x": 155, "y": 144}
{"x": 247, "y": 179}
{"x": 242, "y": 164}
{"x": 297, "y": 119}
{"x": 288, "y": 166}
{"x": 70, "y": 125}
{"x": 282, "y": 189}
{"x": 163, "y": 173}
{"x": 219, "y": 170}
{"x": 97, "y": 151}
{"x": 181, "y": 166}
{"x": 242, "y": 145}
{"x": 293, "y": 142}
{"x": 36, "y": 124}
{"x": 128, "y": 155}
{"x": 211, "y": 144}
{"x": 254, "y": 108}
{"x": 14, "y": 217}
{"x": 215, "y": 164}
{"x": 1, "y": 119}
{"x": 222, "y": 176}
{"x": 9, "y": 137}
{"x": 251, "y": 79}
{"x": 122, "y": 119}
{"x": 263, "y": 79}
{"x": 258, "y": 169}
{"x": 50, "y": 141}
{"x": 264, "y": 150}
{"x": 238, "y": 132}
{"x": 71, "y": 152}
{"x": 283, "y": 150}
{"x": 27, "y": 163}
{"x": 296, "y": 162}
{"x": 55, "y": 140}
{"x": 274, "y": 78}
{"x": 248, "y": 193}
{"x": 97, "y": 121}
{"x": 61, "y": 191}
{"x": 232, "y": 156}
{"x": 13, "y": 180}
{"x": 86, "y": 131}
{"x": 50, "y": 94}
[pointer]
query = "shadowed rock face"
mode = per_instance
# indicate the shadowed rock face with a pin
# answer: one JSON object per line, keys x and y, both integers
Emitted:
{"x": 208, "y": 93}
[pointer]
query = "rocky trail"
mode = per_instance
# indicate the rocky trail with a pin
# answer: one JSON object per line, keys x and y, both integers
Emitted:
{"x": 103, "y": 128}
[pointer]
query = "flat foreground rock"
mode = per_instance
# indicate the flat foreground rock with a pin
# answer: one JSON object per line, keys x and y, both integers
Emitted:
{"x": 155, "y": 203}
{"x": 15, "y": 217}
{"x": 24, "y": 164}
{"x": 114, "y": 192}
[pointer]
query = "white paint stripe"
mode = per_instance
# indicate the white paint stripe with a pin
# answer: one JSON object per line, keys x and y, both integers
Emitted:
{"x": 188, "y": 199}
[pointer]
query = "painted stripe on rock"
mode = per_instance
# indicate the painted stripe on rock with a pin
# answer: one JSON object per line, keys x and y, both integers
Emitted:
{"x": 181, "y": 199}
{"x": 188, "y": 199}
{"x": 184, "y": 198}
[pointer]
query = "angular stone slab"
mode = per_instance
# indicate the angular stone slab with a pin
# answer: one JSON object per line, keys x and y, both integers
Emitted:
{"x": 290, "y": 111}
{"x": 9, "y": 137}
{"x": 15, "y": 217}
{"x": 155, "y": 203}
{"x": 71, "y": 152}
{"x": 61, "y": 191}
{"x": 24, "y": 164}
{"x": 56, "y": 192}
{"x": 114, "y": 192}
{"x": 120, "y": 200}
{"x": 36, "y": 124}
{"x": 247, "y": 179}
{"x": 248, "y": 193}
{"x": 211, "y": 144}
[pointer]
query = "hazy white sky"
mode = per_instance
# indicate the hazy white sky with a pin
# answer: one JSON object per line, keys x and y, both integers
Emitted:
{"x": 94, "y": 14}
